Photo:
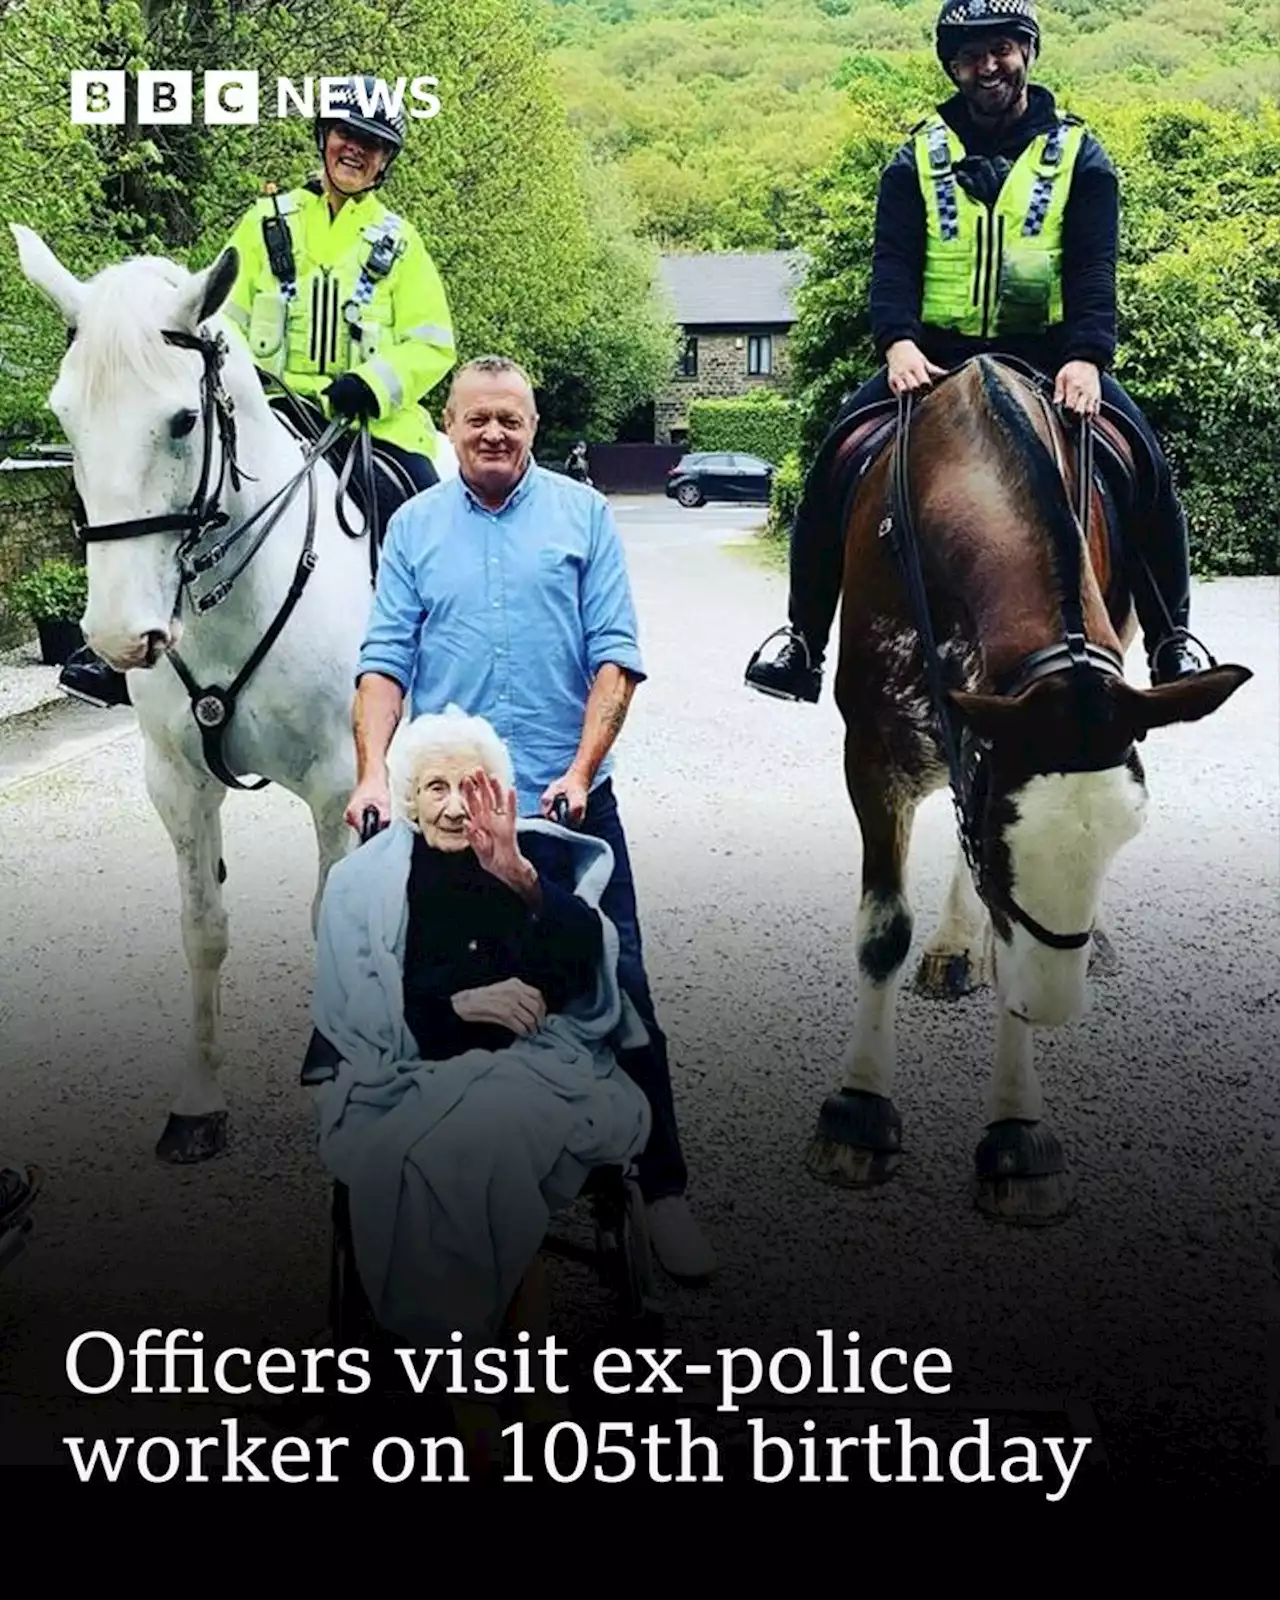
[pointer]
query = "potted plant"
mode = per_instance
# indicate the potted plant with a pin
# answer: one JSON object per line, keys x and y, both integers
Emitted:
{"x": 54, "y": 597}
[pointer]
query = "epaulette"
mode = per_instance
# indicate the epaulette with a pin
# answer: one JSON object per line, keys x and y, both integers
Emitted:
{"x": 271, "y": 200}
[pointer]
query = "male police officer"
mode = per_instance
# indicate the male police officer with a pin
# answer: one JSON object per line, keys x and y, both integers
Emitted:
{"x": 956, "y": 271}
{"x": 338, "y": 297}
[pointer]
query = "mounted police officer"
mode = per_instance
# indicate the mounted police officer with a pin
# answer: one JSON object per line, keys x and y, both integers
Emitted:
{"x": 956, "y": 272}
{"x": 337, "y": 297}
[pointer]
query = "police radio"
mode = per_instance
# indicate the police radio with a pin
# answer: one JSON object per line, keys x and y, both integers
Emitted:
{"x": 275, "y": 235}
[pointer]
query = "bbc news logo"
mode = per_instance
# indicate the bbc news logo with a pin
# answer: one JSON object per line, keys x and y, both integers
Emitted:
{"x": 234, "y": 97}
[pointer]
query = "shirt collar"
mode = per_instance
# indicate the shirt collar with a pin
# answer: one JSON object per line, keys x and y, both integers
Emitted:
{"x": 519, "y": 493}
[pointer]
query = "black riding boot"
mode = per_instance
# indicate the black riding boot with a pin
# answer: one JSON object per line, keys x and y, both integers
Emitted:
{"x": 817, "y": 569}
{"x": 88, "y": 677}
{"x": 817, "y": 560}
{"x": 1162, "y": 588}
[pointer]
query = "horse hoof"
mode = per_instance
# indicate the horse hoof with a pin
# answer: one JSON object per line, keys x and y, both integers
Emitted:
{"x": 858, "y": 1142}
{"x": 944, "y": 975}
{"x": 190, "y": 1139}
{"x": 1022, "y": 1175}
{"x": 1103, "y": 960}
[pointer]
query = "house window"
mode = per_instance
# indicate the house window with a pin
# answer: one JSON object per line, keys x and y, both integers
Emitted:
{"x": 759, "y": 355}
{"x": 687, "y": 367}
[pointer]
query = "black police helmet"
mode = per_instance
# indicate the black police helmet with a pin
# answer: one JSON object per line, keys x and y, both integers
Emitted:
{"x": 961, "y": 21}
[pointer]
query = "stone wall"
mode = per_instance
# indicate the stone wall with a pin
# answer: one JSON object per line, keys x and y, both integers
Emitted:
{"x": 35, "y": 526}
{"x": 722, "y": 375}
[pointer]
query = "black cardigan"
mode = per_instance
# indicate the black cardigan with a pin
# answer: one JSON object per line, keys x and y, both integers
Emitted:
{"x": 1090, "y": 240}
{"x": 466, "y": 930}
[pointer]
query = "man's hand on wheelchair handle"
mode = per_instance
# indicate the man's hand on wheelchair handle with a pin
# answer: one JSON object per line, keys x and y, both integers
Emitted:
{"x": 509, "y": 1004}
{"x": 373, "y": 792}
{"x": 574, "y": 787}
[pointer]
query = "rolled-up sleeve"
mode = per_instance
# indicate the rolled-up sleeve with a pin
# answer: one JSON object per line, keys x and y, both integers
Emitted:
{"x": 395, "y": 620}
{"x": 608, "y": 611}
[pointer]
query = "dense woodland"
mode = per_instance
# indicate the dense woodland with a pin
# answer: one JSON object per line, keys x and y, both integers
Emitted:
{"x": 581, "y": 137}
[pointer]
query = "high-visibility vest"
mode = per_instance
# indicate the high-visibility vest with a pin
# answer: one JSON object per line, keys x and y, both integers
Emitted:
{"x": 319, "y": 295}
{"x": 995, "y": 271}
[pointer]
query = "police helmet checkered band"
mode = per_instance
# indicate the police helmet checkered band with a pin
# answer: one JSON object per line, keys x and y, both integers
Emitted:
{"x": 960, "y": 20}
{"x": 379, "y": 121}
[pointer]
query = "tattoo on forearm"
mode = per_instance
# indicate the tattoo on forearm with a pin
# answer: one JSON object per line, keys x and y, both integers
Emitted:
{"x": 615, "y": 713}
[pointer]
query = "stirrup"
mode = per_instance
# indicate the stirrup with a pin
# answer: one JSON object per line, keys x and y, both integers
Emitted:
{"x": 778, "y": 633}
{"x": 1180, "y": 636}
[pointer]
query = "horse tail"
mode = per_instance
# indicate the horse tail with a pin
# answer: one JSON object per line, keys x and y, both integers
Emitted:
{"x": 1047, "y": 489}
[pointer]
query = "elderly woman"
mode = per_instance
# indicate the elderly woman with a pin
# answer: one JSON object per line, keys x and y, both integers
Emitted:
{"x": 468, "y": 997}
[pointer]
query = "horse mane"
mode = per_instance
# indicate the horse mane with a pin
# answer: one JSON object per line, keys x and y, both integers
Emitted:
{"x": 1045, "y": 490}
{"x": 119, "y": 332}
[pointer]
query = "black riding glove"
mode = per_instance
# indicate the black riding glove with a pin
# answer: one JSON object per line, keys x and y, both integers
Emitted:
{"x": 352, "y": 397}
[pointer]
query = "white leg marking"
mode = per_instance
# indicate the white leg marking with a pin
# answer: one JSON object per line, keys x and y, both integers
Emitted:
{"x": 872, "y": 1055}
{"x": 189, "y": 807}
{"x": 1014, "y": 1090}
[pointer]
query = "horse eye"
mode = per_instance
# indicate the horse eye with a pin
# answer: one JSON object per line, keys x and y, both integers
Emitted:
{"x": 182, "y": 423}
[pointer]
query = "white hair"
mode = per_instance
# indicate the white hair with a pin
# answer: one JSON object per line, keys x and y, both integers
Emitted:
{"x": 441, "y": 733}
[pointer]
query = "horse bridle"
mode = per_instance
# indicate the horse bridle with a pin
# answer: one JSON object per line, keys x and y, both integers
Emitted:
{"x": 967, "y": 755}
{"x": 212, "y": 705}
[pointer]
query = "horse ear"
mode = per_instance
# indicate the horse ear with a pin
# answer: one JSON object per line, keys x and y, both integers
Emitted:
{"x": 42, "y": 268}
{"x": 988, "y": 715}
{"x": 1186, "y": 700}
{"x": 208, "y": 289}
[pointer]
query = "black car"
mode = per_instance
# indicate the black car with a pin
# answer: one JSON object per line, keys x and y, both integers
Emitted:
{"x": 720, "y": 475}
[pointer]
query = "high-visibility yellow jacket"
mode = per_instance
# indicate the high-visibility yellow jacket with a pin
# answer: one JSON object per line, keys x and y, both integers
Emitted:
{"x": 998, "y": 271}
{"x": 395, "y": 330}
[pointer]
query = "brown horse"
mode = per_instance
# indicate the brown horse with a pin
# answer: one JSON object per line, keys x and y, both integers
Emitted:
{"x": 980, "y": 596}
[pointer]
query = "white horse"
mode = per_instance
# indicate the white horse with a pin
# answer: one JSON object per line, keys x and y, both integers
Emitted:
{"x": 143, "y": 395}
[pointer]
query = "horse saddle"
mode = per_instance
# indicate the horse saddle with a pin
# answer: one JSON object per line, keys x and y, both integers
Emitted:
{"x": 391, "y": 485}
{"x": 1124, "y": 472}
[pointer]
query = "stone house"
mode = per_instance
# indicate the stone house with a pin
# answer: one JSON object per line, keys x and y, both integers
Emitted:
{"x": 736, "y": 313}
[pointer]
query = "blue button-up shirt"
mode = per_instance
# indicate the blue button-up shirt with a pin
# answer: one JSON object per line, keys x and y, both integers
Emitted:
{"x": 508, "y": 614}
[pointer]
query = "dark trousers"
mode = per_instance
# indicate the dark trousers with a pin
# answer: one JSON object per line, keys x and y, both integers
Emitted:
{"x": 661, "y": 1167}
{"x": 1156, "y": 532}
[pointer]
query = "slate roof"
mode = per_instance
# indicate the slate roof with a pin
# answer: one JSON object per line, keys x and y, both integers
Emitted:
{"x": 733, "y": 290}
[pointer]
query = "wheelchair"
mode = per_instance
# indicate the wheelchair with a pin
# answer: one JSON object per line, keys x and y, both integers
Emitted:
{"x": 621, "y": 1256}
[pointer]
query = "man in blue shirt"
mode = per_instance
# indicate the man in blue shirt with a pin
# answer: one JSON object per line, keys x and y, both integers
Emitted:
{"x": 505, "y": 591}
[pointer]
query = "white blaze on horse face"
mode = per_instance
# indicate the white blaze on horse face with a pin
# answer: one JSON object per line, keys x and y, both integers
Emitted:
{"x": 124, "y": 397}
{"x": 1070, "y": 827}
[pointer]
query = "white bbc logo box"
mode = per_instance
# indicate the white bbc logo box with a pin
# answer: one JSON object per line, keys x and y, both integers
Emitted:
{"x": 99, "y": 97}
{"x": 227, "y": 97}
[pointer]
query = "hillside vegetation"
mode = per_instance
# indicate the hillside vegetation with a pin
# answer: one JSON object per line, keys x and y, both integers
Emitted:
{"x": 716, "y": 112}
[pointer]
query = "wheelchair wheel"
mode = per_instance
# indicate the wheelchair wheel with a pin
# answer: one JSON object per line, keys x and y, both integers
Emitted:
{"x": 622, "y": 1240}
{"x": 640, "y": 1295}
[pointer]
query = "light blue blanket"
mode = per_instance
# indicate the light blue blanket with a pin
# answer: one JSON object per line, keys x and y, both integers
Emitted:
{"x": 454, "y": 1167}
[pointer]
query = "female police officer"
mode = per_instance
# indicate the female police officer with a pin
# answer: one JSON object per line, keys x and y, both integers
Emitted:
{"x": 338, "y": 297}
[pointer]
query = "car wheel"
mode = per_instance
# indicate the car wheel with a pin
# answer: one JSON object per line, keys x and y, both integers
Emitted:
{"x": 689, "y": 494}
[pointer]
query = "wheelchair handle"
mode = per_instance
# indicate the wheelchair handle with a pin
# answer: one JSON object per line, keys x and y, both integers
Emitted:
{"x": 560, "y": 810}
{"x": 370, "y": 823}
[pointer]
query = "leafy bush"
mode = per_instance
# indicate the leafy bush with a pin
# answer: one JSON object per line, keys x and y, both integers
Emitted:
{"x": 763, "y": 424}
{"x": 788, "y": 482}
{"x": 56, "y": 591}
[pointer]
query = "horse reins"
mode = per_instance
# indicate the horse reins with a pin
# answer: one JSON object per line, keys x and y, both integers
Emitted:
{"x": 211, "y": 705}
{"x": 1075, "y": 653}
